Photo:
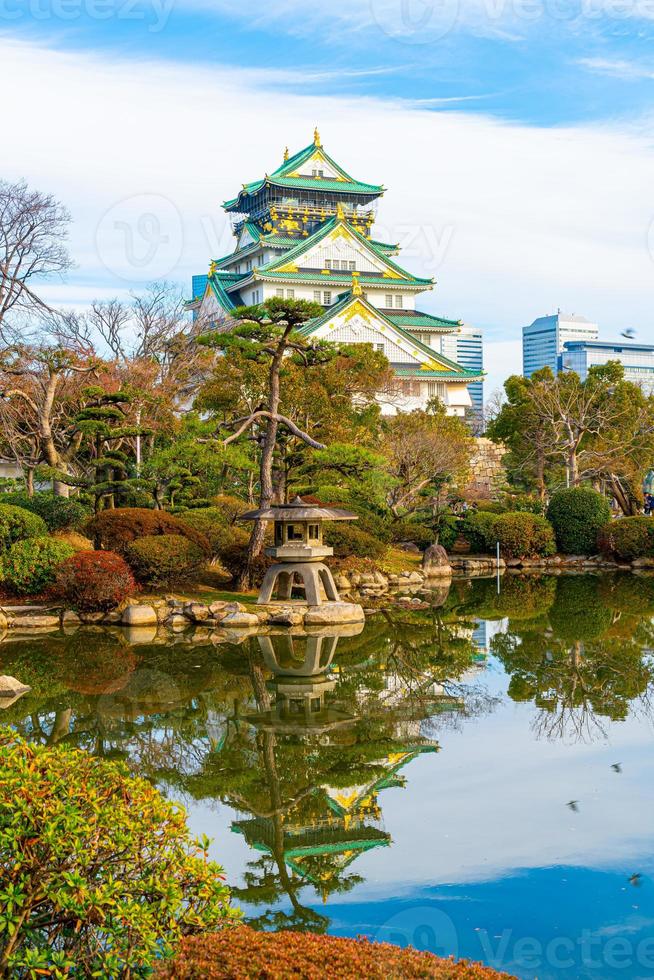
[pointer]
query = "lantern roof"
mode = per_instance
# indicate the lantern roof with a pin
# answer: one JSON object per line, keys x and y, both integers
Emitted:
{"x": 298, "y": 510}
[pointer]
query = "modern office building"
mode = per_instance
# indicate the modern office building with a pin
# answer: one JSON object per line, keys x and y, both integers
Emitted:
{"x": 637, "y": 359}
{"x": 470, "y": 355}
{"x": 543, "y": 340}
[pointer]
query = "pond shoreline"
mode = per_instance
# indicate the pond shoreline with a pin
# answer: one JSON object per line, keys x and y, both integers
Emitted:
{"x": 362, "y": 593}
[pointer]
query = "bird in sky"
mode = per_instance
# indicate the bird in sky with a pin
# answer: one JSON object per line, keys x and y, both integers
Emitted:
{"x": 636, "y": 880}
{"x": 617, "y": 767}
{"x": 629, "y": 333}
{"x": 573, "y": 805}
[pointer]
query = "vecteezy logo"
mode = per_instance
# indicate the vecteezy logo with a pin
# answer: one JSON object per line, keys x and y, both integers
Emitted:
{"x": 140, "y": 238}
{"x": 415, "y": 21}
{"x": 424, "y": 927}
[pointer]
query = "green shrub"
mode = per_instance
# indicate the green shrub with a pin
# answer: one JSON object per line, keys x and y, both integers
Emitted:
{"x": 347, "y": 540}
{"x": 627, "y": 538}
{"x": 115, "y": 530}
{"x": 59, "y": 513}
{"x": 250, "y": 955}
{"x": 159, "y": 559}
{"x": 524, "y": 535}
{"x": 211, "y": 523}
{"x": 100, "y": 876}
{"x": 30, "y": 566}
{"x": 577, "y": 514}
{"x": 525, "y": 501}
{"x": 229, "y": 506}
{"x": 479, "y": 531}
{"x": 491, "y": 507}
{"x": 17, "y": 524}
{"x": 419, "y": 534}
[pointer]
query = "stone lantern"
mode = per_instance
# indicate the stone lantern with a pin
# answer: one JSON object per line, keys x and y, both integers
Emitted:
{"x": 299, "y": 550}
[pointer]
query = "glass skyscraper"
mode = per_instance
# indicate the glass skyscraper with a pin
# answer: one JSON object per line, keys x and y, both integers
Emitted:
{"x": 543, "y": 340}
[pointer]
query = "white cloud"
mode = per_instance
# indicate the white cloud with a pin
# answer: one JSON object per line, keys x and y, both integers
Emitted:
{"x": 512, "y": 220}
{"x": 626, "y": 70}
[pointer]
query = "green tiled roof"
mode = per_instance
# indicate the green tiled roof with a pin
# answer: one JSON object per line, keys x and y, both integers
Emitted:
{"x": 218, "y": 281}
{"x": 288, "y": 166}
{"x": 456, "y": 372}
{"x": 459, "y": 375}
{"x": 281, "y": 178}
{"x": 339, "y": 279}
{"x": 322, "y": 232}
{"x": 307, "y": 183}
{"x": 423, "y": 320}
{"x": 384, "y": 246}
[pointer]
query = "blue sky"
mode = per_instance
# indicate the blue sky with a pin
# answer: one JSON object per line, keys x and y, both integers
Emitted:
{"x": 515, "y": 137}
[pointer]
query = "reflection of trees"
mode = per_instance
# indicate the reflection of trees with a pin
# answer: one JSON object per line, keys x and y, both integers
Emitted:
{"x": 301, "y": 743}
{"x": 588, "y": 660}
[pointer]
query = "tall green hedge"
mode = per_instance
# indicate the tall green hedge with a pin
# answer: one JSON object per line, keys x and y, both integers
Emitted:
{"x": 577, "y": 514}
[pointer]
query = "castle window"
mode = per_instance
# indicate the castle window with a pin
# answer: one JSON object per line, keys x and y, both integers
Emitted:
{"x": 352, "y": 266}
{"x": 399, "y": 301}
{"x": 380, "y": 348}
{"x": 388, "y": 301}
{"x": 280, "y": 293}
{"x": 327, "y": 298}
{"x": 290, "y": 294}
{"x": 436, "y": 389}
{"x": 328, "y": 263}
{"x": 316, "y": 295}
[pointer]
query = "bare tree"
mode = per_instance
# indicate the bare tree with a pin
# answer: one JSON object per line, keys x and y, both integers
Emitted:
{"x": 38, "y": 395}
{"x": 33, "y": 231}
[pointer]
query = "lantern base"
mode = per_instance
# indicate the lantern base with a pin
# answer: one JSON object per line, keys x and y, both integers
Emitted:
{"x": 316, "y": 578}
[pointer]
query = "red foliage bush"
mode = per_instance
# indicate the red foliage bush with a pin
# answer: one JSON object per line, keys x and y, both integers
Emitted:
{"x": 243, "y": 954}
{"x": 94, "y": 581}
{"x": 114, "y": 530}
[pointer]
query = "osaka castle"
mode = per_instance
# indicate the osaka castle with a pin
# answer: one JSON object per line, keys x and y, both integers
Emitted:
{"x": 305, "y": 231}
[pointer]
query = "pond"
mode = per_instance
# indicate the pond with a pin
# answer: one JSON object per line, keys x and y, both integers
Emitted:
{"x": 472, "y": 776}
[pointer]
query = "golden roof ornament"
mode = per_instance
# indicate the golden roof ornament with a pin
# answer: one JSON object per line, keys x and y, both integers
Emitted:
{"x": 356, "y": 285}
{"x": 340, "y": 213}
{"x": 316, "y": 137}
{"x": 285, "y": 154}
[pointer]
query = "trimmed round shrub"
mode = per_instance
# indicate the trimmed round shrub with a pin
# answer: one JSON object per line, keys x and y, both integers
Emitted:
{"x": 94, "y": 581}
{"x": 479, "y": 531}
{"x": 115, "y": 530}
{"x": 17, "y": 524}
{"x": 159, "y": 559}
{"x": 577, "y": 514}
{"x": 59, "y": 513}
{"x": 229, "y": 506}
{"x": 413, "y": 531}
{"x": 524, "y": 535}
{"x": 347, "y": 540}
{"x": 627, "y": 538}
{"x": 242, "y": 952}
{"x": 100, "y": 873}
{"x": 30, "y": 566}
{"x": 211, "y": 523}
{"x": 491, "y": 507}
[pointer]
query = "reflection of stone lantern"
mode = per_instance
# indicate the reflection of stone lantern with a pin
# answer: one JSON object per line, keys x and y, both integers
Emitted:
{"x": 301, "y": 682}
{"x": 299, "y": 550}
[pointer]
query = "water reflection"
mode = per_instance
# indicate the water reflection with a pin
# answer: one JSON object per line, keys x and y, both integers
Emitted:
{"x": 306, "y": 737}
